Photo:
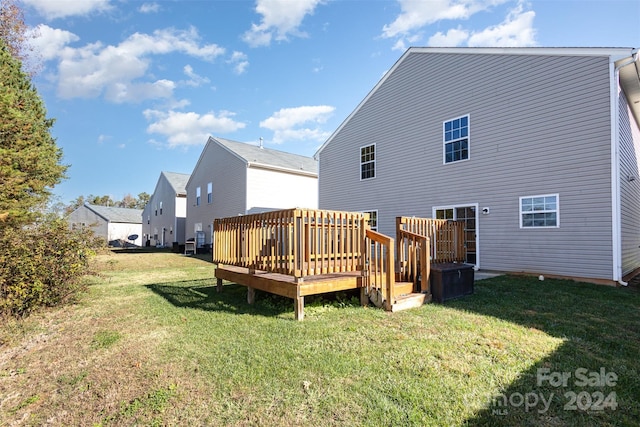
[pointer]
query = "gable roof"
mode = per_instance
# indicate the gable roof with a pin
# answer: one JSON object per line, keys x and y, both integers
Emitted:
{"x": 113, "y": 214}
{"x": 626, "y": 60}
{"x": 177, "y": 181}
{"x": 254, "y": 155}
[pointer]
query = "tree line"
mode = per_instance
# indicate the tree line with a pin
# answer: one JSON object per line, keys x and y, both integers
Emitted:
{"x": 128, "y": 201}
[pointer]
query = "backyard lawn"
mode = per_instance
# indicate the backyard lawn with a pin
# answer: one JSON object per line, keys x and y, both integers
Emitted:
{"x": 153, "y": 343}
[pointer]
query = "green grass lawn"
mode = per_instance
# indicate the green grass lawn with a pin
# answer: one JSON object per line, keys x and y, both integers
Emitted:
{"x": 153, "y": 343}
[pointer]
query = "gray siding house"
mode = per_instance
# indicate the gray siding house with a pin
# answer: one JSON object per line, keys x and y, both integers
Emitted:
{"x": 164, "y": 216}
{"x": 114, "y": 225}
{"x": 536, "y": 149}
{"x": 234, "y": 178}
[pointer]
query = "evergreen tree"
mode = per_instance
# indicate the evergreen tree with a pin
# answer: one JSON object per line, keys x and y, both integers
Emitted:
{"x": 29, "y": 157}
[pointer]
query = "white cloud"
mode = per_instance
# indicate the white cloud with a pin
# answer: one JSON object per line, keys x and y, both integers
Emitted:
{"x": 239, "y": 61}
{"x": 280, "y": 18}
{"x": 184, "y": 129}
{"x": 149, "y": 8}
{"x": 515, "y": 31}
{"x": 195, "y": 80}
{"x": 52, "y": 9}
{"x": 299, "y": 123}
{"x": 48, "y": 42}
{"x": 416, "y": 14}
{"x": 136, "y": 92}
{"x": 119, "y": 71}
{"x": 407, "y": 28}
{"x": 453, "y": 37}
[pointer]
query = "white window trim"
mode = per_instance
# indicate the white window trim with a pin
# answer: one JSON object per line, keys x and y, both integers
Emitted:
{"x": 434, "y": 209}
{"x": 375, "y": 160}
{"x": 377, "y": 227}
{"x": 557, "y": 211}
{"x": 198, "y": 196}
{"x": 444, "y": 143}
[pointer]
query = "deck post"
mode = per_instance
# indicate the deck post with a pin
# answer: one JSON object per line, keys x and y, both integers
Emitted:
{"x": 251, "y": 295}
{"x": 219, "y": 285}
{"x": 364, "y": 298}
{"x": 298, "y": 305}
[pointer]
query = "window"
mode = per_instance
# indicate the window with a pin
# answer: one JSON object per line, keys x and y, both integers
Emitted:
{"x": 373, "y": 219}
{"x": 197, "y": 196}
{"x": 455, "y": 134}
{"x": 160, "y": 208}
{"x": 209, "y": 192}
{"x": 156, "y": 209}
{"x": 539, "y": 211}
{"x": 368, "y": 162}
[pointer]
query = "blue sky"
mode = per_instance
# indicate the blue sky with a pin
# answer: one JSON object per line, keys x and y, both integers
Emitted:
{"x": 136, "y": 87}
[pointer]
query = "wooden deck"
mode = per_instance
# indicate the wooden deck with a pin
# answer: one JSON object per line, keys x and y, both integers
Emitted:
{"x": 301, "y": 252}
{"x": 288, "y": 286}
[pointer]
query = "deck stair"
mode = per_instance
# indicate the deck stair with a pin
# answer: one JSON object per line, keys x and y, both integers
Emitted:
{"x": 400, "y": 285}
{"x": 404, "y": 297}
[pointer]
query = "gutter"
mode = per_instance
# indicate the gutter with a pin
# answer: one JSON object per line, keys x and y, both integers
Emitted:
{"x": 303, "y": 172}
{"x": 615, "y": 170}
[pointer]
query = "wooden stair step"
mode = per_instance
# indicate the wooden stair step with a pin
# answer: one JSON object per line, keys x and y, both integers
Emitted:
{"x": 403, "y": 288}
{"x": 412, "y": 300}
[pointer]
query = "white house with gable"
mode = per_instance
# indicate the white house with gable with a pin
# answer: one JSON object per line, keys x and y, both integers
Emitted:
{"x": 234, "y": 178}
{"x": 164, "y": 216}
{"x": 115, "y": 225}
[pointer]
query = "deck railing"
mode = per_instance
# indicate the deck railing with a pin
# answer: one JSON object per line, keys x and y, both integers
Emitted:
{"x": 379, "y": 274}
{"x": 446, "y": 236}
{"x": 413, "y": 259}
{"x": 296, "y": 242}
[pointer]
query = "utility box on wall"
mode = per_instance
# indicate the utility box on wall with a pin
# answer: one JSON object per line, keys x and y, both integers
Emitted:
{"x": 451, "y": 280}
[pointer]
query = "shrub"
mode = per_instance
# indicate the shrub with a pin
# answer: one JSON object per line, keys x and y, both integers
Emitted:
{"x": 41, "y": 265}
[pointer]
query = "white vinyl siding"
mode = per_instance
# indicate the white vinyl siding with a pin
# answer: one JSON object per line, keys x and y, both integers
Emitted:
{"x": 630, "y": 186}
{"x": 265, "y": 190}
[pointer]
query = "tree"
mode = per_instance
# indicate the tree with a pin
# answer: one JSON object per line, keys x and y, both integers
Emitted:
{"x": 16, "y": 34}
{"x": 143, "y": 199}
{"x": 128, "y": 201}
{"x": 29, "y": 157}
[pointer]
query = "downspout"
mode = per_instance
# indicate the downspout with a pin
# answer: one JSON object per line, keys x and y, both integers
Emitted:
{"x": 615, "y": 171}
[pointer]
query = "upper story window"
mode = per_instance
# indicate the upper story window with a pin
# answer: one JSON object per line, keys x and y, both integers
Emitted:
{"x": 368, "y": 162}
{"x": 539, "y": 211}
{"x": 160, "y": 208}
{"x": 198, "y": 194}
{"x": 156, "y": 210}
{"x": 455, "y": 136}
{"x": 209, "y": 192}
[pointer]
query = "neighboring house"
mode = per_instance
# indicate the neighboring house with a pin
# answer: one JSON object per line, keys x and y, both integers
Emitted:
{"x": 536, "y": 149}
{"x": 114, "y": 225}
{"x": 233, "y": 178}
{"x": 164, "y": 216}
